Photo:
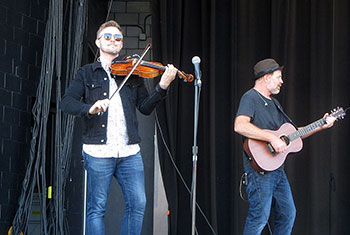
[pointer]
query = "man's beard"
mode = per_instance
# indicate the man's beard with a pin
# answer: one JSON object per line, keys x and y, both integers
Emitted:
{"x": 110, "y": 51}
{"x": 274, "y": 90}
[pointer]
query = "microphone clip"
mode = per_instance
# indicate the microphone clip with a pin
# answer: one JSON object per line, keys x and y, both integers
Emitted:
{"x": 198, "y": 82}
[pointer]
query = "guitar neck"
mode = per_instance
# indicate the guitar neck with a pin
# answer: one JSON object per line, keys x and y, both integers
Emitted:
{"x": 307, "y": 129}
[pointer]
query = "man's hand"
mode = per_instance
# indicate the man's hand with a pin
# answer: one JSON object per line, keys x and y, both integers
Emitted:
{"x": 244, "y": 127}
{"x": 278, "y": 144}
{"x": 329, "y": 121}
{"x": 168, "y": 76}
{"x": 99, "y": 106}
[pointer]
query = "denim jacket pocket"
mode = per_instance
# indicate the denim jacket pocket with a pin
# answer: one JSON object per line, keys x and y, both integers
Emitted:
{"x": 93, "y": 92}
{"x": 93, "y": 85}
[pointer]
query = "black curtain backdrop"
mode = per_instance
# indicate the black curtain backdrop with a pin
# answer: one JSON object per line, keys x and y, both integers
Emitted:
{"x": 311, "y": 39}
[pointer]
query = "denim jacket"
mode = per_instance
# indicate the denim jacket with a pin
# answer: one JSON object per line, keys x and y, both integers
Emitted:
{"x": 90, "y": 84}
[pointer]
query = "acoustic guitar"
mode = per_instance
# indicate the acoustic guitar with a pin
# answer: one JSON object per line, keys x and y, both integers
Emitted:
{"x": 262, "y": 155}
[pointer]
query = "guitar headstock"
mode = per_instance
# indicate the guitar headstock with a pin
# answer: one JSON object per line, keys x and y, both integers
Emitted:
{"x": 338, "y": 113}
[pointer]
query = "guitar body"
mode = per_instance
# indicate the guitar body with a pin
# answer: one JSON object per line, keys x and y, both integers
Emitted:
{"x": 262, "y": 155}
{"x": 263, "y": 158}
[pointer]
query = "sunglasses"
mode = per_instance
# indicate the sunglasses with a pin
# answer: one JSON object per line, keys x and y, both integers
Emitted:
{"x": 108, "y": 36}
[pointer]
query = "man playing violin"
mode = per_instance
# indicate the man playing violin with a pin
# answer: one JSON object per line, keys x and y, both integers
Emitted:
{"x": 110, "y": 130}
{"x": 258, "y": 112}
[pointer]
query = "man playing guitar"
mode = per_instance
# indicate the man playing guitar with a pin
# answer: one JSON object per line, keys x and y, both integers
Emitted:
{"x": 258, "y": 112}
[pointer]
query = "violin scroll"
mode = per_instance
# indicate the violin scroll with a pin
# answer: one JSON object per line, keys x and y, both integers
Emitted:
{"x": 186, "y": 77}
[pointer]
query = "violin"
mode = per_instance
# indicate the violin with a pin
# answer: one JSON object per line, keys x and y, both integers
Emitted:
{"x": 145, "y": 69}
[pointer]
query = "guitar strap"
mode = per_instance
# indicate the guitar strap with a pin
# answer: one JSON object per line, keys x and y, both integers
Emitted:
{"x": 283, "y": 113}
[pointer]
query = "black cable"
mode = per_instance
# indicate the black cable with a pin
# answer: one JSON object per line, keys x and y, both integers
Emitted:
{"x": 64, "y": 122}
{"x": 109, "y": 9}
{"x": 148, "y": 85}
{"x": 107, "y": 17}
{"x": 20, "y": 222}
{"x": 243, "y": 182}
{"x": 53, "y": 220}
{"x": 178, "y": 171}
{"x": 144, "y": 23}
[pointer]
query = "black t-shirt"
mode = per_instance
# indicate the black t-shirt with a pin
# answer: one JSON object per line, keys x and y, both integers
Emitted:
{"x": 263, "y": 112}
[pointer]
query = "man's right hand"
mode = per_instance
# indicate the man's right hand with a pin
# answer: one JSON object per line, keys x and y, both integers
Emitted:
{"x": 278, "y": 145}
{"x": 99, "y": 106}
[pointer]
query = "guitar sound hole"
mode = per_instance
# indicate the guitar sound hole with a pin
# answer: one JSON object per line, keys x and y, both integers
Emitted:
{"x": 285, "y": 139}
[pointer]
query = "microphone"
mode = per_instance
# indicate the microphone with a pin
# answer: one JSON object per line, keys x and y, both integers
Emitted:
{"x": 196, "y": 61}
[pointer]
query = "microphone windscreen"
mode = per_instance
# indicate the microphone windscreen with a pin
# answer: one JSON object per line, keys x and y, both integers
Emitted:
{"x": 196, "y": 60}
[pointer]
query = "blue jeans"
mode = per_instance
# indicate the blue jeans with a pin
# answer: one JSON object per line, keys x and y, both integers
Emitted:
{"x": 129, "y": 173}
{"x": 265, "y": 191}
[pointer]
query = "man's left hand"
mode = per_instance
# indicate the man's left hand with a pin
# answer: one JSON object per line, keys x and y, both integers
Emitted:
{"x": 329, "y": 121}
{"x": 168, "y": 76}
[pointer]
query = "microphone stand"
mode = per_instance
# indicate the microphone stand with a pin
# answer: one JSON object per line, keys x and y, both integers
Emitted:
{"x": 198, "y": 86}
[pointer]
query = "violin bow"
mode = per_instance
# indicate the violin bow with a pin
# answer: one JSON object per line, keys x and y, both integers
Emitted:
{"x": 132, "y": 70}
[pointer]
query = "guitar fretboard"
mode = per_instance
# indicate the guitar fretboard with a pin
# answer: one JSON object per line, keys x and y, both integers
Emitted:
{"x": 307, "y": 129}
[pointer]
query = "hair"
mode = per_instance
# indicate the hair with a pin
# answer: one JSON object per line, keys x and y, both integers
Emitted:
{"x": 110, "y": 23}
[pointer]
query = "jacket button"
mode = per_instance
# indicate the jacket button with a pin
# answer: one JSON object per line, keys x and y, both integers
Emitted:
{"x": 105, "y": 93}
{"x": 102, "y": 141}
{"x": 103, "y": 125}
{"x": 105, "y": 79}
